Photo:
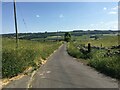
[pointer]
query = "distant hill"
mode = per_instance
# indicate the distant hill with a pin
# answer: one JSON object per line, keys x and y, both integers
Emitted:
{"x": 30, "y": 36}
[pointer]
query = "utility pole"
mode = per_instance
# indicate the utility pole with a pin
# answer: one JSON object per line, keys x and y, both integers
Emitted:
{"x": 15, "y": 18}
{"x": 57, "y": 35}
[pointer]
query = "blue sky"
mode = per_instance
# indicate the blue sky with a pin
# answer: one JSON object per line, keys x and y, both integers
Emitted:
{"x": 61, "y": 16}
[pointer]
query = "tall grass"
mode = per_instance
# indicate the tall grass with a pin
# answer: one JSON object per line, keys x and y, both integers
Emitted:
{"x": 110, "y": 65}
{"x": 28, "y": 54}
{"x": 106, "y": 64}
{"x": 72, "y": 50}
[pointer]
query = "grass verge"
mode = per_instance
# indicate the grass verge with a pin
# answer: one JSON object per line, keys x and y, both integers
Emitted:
{"x": 109, "y": 65}
{"x": 28, "y": 54}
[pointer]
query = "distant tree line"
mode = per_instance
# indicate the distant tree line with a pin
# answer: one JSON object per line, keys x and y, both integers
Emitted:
{"x": 47, "y": 34}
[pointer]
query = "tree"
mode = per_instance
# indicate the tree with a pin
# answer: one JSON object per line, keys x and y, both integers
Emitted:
{"x": 67, "y": 37}
{"x": 45, "y": 35}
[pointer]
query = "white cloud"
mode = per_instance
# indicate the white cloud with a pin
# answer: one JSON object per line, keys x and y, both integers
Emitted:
{"x": 104, "y": 8}
{"x": 112, "y": 12}
{"x": 61, "y": 16}
{"x": 37, "y": 16}
{"x": 114, "y": 8}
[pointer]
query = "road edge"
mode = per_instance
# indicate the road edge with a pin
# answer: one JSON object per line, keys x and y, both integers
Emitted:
{"x": 29, "y": 72}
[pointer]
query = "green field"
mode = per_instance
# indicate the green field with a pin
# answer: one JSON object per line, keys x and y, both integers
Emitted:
{"x": 49, "y": 38}
{"x": 28, "y": 54}
{"x": 105, "y": 40}
{"x": 104, "y": 60}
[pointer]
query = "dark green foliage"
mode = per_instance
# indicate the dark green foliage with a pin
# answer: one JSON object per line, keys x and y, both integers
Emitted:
{"x": 67, "y": 37}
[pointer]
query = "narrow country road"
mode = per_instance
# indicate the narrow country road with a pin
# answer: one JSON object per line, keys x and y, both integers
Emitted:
{"x": 62, "y": 71}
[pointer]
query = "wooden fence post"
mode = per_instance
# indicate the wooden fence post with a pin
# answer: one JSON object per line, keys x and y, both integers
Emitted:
{"x": 89, "y": 47}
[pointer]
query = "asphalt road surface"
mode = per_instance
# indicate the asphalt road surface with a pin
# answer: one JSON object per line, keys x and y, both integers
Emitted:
{"x": 63, "y": 71}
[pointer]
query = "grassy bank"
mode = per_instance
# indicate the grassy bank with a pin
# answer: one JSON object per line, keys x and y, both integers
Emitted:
{"x": 106, "y": 64}
{"x": 98, "y": 58}
{"x": 104, "y": 40}
{"x": 28, "y": 54}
